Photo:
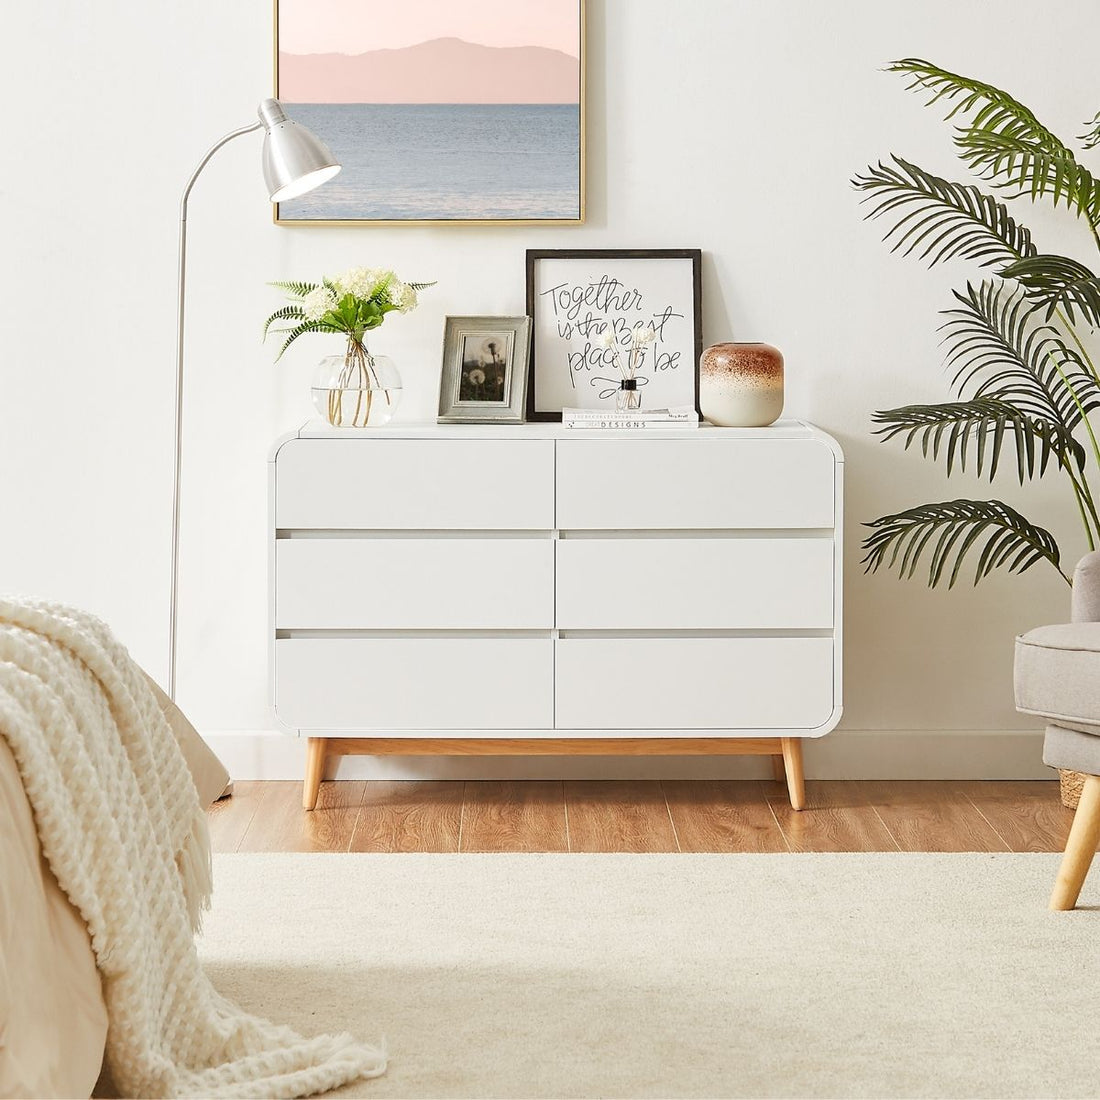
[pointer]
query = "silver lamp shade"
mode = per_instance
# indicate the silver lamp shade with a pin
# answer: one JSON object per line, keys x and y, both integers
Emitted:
{"x": 294, "y": 159}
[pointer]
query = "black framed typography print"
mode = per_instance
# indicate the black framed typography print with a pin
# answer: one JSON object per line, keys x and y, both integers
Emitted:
{"x": 601, "y": 314}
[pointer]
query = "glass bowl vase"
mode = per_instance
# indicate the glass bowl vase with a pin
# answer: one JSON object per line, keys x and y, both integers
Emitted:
{"x": 357, "y": 389}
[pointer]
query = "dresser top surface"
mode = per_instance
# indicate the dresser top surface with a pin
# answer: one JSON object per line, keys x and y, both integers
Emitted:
{"x": 780, "y": 430}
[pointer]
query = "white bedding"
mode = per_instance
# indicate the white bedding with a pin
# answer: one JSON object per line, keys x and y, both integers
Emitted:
{"x": 53, "y": 1021}
{"x": 119, "y": 818}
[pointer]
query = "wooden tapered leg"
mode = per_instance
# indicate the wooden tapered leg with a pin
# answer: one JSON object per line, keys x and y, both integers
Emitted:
{"x": 779, "y": 773}
{"x": 792, "y": 763}
{"x": 315, "y": 770}
{"x": 1080, "y": 848}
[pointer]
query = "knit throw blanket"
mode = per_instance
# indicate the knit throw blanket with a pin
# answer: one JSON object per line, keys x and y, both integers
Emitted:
{"x": 120, "y": 823}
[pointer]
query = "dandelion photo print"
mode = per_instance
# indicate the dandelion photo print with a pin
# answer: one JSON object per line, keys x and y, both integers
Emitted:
{"x": 438, "y": 111}
{"x": 484, "y": 375}
{"x": 485, "y": 360}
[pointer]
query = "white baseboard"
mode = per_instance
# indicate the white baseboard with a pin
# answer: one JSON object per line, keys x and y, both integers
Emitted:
{"x": 845, "y": 754}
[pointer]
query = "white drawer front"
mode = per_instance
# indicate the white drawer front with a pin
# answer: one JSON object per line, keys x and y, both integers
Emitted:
{"x": 414, "y": 584}
{"x": 695, "y": 584}
{"x": 658, "y": 484}
{"x": 673, "y": 684}
{"x": 398, "y": 484}
{"x": 398, "y": 684}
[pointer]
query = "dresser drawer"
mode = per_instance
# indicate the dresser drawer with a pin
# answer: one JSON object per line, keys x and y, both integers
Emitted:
{"x": 353, "y": 684}
{"x": 695, "y": 583}
{"x": 672, "y": 684}
{"x": 414, "y": 584}
{"x": 399, "y": 484}
{"x": 698, "y": 484}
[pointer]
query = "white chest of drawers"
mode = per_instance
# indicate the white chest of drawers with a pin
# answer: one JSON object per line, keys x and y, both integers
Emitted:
{"x": 528, "y": 588}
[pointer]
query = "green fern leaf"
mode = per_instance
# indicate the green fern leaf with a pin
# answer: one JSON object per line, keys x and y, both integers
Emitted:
{"x": 299, "y": 330}
{"x": 284, "y": 314}
{"x": 299, "y": 290}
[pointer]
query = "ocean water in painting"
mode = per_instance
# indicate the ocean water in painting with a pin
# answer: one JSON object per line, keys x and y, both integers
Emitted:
{"x": 444, "y": 161}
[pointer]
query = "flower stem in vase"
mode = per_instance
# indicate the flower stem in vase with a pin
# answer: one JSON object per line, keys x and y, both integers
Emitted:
{"x": 351, "y": 368}
{"x": 370, "y": 380}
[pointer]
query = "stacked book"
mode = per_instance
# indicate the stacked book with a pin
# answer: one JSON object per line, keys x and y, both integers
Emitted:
{"x": 679, "y": 416}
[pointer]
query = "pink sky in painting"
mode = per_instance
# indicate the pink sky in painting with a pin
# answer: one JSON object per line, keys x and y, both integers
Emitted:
{"x": 357, "y": 26}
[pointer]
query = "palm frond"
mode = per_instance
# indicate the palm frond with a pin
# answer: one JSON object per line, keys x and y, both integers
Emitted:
{"x": 949, "y": 531}
{"x": 292, "y": 312}
{"x": 939, "y": 220}
{"x": 997, "y": 349}
{"x": 299, "y": 290}
{"x": 1091, "y": 137}
{"x": 977, "y": 430}
{"x": 1009, "y": 158}
{"x": 1057, "y": 282}
{"x": 1003, "y": 141}
{"x": 992, "y": 108}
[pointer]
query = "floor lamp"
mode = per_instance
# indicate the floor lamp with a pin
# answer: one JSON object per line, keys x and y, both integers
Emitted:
{"x": 294, "y": 161}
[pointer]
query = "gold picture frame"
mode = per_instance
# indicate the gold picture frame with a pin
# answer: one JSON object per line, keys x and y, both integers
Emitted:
{"x": 582, "y": 182}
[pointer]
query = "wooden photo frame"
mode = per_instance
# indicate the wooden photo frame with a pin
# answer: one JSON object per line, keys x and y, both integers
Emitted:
{"x": 484, "y": 378}
{"x": 575, "y": 296}
{"x": 468, "y": 113}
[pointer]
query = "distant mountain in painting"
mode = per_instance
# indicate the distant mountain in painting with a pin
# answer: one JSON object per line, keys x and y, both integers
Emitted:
{"x": 443, "y": 70}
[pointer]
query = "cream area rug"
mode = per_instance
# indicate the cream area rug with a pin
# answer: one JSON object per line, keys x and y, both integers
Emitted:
{"x": 879, "y": 975}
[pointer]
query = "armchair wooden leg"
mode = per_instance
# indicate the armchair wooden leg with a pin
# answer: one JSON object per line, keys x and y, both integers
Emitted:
{"x": 792, "y": 763}
{"x": 1080, "y": 848}
{"x": 315, "y": 770}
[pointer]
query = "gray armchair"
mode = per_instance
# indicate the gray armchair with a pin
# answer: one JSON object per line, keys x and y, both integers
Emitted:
{"x": 1057, "y": 677}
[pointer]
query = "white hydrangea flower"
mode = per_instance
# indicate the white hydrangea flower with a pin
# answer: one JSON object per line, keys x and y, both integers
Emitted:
{"x": 347, "y": 281}
{"x": 381, "y": 277}
{"x": 362, "y": 282}
{"x": 317, "y": 303}
{"x": 402, "y": 296}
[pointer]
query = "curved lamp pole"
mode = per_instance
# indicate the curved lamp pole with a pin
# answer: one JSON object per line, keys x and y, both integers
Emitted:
{"x": 294, "y": 161}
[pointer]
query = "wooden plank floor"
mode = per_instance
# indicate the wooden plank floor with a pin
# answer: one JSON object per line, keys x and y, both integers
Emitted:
{"x": 642, "y": 816}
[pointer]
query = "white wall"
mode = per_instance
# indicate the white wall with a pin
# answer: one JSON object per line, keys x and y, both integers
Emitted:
{"x": 730, "y": 125}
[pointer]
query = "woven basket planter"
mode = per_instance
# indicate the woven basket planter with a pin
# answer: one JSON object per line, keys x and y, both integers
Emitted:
{"x": 1070, "y": 785}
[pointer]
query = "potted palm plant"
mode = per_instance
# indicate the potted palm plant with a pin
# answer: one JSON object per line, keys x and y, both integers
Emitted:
{"x": 1017, "y": 337}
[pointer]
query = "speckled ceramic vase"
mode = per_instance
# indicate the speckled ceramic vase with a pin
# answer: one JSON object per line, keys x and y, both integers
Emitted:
{"x": 741, "y": 385}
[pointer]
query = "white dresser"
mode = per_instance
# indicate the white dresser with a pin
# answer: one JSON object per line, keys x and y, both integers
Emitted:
{"x": 534, "y": 589}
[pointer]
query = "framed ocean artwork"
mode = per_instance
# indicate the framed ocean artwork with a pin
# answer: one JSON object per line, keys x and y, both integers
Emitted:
{"x": 440, "y": 111}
